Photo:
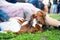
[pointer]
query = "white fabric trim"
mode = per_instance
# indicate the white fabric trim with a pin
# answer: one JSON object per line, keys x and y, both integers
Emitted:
{"x": 12, "y": 25}
{"x": 26, "y": 22}
{"x": 34, "y": 23}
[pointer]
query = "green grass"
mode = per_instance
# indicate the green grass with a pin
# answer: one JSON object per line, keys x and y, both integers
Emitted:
{"x": 55, "y": 16}
{"x": 53, "y": 34}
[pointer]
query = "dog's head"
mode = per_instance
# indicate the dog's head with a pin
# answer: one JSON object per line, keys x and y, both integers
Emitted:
{"x": 34, "y": 24}
{"x": 40, "y": 17}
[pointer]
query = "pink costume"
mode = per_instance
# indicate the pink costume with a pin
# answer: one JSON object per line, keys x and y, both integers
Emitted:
{"x": 18, "y": 9}
{"x": 11, "y": 9}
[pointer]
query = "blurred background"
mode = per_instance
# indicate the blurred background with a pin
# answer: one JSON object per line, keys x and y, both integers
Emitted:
{"x": 50, "y": 6}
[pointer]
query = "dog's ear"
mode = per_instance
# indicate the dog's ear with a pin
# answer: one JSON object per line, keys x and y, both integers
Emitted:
{"x": 43, "y": 13}
{"x": 33, "y": 16}
{"x": 40, "y": 16}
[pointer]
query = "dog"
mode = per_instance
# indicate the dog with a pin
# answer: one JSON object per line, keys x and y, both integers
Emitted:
{"x": 30, "y": 28}
{"x": 40, "y": 20}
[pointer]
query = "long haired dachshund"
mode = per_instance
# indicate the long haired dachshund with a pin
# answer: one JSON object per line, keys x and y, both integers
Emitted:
{"x": 29, "y": 28}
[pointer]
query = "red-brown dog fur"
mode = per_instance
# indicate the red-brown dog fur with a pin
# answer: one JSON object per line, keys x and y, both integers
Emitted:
{"x": 40, "y": 16}
{"x": 25, "y": 28}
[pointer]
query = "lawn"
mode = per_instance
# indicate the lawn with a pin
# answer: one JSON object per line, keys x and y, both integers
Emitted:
{"x": 52, "y": 34}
